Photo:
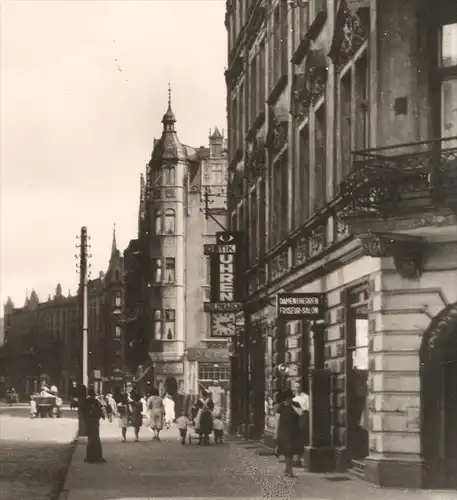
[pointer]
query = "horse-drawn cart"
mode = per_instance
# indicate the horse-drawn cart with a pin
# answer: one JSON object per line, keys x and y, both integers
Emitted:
{"x": 46, "y": 406}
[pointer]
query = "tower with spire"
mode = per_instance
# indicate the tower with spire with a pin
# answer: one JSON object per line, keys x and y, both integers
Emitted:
{"x": 174, "y": 228}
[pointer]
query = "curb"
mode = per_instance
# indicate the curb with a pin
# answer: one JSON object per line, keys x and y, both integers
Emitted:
{"x": 60, "y": 493}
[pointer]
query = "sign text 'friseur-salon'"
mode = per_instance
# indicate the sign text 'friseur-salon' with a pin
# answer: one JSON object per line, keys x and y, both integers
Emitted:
{"x": 290, "y": 306}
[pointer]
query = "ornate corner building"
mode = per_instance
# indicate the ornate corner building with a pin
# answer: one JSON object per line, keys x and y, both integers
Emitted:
{"x": 167, "y": 276}
{"x": 343, "y": 175}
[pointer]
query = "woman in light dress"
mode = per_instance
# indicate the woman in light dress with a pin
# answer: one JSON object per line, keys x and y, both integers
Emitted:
{"x": 169, "y": 406}
{"x": 156, "y": 413}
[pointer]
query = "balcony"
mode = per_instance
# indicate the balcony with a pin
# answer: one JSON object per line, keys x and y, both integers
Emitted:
{"x": 399, "y": 198}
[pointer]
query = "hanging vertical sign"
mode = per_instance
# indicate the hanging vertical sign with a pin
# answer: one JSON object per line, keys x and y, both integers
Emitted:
{"x": 226, "y": 268}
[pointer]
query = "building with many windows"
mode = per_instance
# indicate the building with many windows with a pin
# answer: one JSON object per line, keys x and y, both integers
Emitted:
{"x": 43, "y": 339}
{"x": 342, "y": 160}
{"x": 182, "y": 204}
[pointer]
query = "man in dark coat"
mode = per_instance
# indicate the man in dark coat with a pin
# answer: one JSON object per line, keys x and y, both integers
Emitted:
{"x": 92, "y": 413}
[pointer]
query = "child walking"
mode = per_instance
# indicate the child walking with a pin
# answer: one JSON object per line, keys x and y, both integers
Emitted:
{"x": 218, "y": 427}
{"x": 33, "y": 410}
{"x": 183, "y": 423}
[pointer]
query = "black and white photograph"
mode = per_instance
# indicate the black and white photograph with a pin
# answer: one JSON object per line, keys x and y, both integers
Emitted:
{"x": 228, "y": 249}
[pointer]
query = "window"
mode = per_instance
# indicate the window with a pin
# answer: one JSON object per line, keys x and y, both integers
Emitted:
{"x": 157, "y": 314}
{"x": 279, "y": 199}
{"x": 158, "y": 222}
{"x": 170, "y": 219}
{"x": 261, "y": 78}
{"x": 320, "y": 160}
{"x": 448, "y": 78}
{"x": 118, "y": 331}
{"x": 170, "y": 270}
{"x": 208, "y": 270}
{"x": 262, "y": 217}
{"x": 169, "y": 176}
{"x": 302, "y": 184}
{"x": 253, "y": 90}
{"x": 353, "y": 113}
{"x": 170, "y": 319}
{"x": 118, "y": 300}
{"x": 157, "y": 270}
{"x": 218, "y": 177}
{"x": 253, "y": 243}
{"x": 301, "y": 22}
{"x": 357, "y": 370}
{"x": 214, "y": 372}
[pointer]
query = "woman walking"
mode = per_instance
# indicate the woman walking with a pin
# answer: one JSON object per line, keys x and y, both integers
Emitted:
{"x": 137, "y": 414}
{"x": 287, "y": 433}
{"x": 156, "y": 412}
{"x": 204, "y": 418}
{"x": 125, "y": 412}
{"x": 92, "y": 413}
{"x": 169, "y": 406}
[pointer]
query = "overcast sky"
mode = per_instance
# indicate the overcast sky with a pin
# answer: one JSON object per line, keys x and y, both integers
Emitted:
{"x": 83, "y": 90}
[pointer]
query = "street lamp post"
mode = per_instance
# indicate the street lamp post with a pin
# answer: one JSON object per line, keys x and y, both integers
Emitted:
{"x": 83, "y": 278}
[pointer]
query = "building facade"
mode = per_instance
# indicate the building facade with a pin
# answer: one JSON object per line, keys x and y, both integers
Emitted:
{"x": 43, "y": 340}
{"x": 182, "y": 201}
{"x": 342, "y": 161}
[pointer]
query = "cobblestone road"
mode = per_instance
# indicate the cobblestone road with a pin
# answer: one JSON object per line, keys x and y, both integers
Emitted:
{"x": 33, "y": 456}
{"x": 139, "y": 471}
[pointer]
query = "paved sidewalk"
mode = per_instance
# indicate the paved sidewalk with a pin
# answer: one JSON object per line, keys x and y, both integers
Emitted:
{"x": 166, "y": 469}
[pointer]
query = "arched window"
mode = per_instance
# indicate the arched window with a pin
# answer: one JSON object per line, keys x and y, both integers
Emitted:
{"x": 169, "y": 221}
{"x": 158, "y": 222}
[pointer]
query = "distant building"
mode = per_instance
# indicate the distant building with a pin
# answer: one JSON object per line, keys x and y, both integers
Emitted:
{"x": 174, "y": 283}
{"x": 43, "y": 341}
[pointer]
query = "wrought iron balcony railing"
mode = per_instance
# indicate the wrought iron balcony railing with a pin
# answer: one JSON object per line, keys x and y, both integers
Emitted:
{"x": 402, "y": 179}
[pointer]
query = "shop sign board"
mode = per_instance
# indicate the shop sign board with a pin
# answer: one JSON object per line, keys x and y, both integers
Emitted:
{"x": 226, "y": 267}
{"x": 291, "y": 306}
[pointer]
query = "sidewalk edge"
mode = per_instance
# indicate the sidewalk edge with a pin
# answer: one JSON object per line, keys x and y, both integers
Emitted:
{"x": 60, "y": 493}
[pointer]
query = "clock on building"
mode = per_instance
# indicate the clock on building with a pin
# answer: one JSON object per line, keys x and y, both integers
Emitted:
{"x": 222, "y": 324}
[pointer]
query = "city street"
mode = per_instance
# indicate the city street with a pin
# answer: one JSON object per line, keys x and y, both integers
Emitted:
{"x": 234, "y": 470}
{"x": 34, "y": 455}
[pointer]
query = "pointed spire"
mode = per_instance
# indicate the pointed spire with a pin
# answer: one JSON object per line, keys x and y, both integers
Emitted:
{"x": 216, "y": 134}
{"x": 114, "y": 245}
{"x": 169, "y": 119}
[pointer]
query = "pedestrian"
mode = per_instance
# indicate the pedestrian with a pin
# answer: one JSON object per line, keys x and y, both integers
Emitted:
{"x": 204, "y": 418}
{"x": 137, "y": 414}
{"x": 218, "y": 426}
{"x": 303, "y": 400}
{"x": 156, "y": 414}
{"x": 92, "y": 412}
{"x": 33, "y": 408}
{"x": 111, "y": 407}
{"x": 125, "y": 410}
{"x": 169, "y": 406}
{"x": 183, "y": 423}
{"x": 287, "y": 431}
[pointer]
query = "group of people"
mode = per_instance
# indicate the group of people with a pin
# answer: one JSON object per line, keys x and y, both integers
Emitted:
{"x": 292, "y": 426}
{"x": 45, "y": 391}
{"x": 153, "y": 411}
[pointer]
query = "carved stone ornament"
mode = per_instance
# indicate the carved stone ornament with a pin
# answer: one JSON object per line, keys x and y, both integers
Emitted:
{"x": 309, "y": 86}
{"x": 279, "y": 265}
{"x": 317, "y": 241}
{"x": 301, "y": 250}
{"x": 408, "y": 254}
{"x": 256, "y": 158}
{"x": 350, "y": 34}
{"x": 376, "y": 246}
{"x": 277, "y": 133}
